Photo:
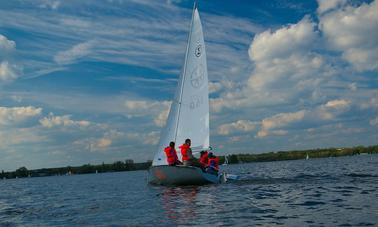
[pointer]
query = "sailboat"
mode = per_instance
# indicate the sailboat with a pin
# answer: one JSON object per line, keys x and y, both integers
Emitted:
{"x": 188, "y": 116}
{"x": 225, "y": 160}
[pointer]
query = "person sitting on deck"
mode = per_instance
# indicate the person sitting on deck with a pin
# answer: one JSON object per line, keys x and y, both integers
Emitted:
{"x": 213, "y": 163}
{"x": 204, "y": 158}
{"x": 171, "y": 154}
{"x": 187, "y": 155}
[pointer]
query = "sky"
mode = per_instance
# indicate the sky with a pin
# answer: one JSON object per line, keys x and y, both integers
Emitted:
{"x": 92, "y": 81}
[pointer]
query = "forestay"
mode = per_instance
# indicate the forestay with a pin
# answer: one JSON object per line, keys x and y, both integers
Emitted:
{"x": 189, "y": 113}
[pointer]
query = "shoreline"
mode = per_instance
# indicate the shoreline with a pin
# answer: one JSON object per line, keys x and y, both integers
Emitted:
{"x": 129, "y": 165}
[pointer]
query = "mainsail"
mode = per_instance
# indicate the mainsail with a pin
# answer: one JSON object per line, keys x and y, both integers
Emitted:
{"x": 189, "y": 113}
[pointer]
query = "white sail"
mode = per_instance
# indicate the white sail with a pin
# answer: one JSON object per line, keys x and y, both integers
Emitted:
{"x": 189, "y": 113}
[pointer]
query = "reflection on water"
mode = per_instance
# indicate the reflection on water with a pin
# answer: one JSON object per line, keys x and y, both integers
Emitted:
{"x": 317, "y": 192}
{"x": 179, "y": 203}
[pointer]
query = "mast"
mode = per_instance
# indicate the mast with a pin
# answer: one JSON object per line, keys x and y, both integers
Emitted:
{"x": 184, "y": 71}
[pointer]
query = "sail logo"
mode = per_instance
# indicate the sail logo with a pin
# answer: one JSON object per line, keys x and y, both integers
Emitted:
{"x": 196, "y": 101}
{"x": 198, "y": 50}
{"x": 197, "y": 77}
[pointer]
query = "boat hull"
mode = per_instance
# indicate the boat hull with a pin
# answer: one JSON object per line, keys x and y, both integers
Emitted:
{"x": 181, "y": 175}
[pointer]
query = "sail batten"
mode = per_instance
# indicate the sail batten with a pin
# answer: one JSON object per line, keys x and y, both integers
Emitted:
{"x": 189, "y": 113}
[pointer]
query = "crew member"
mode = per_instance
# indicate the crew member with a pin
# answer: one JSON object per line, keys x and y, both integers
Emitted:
{"x": 213, "y": 163}
{"x": 204, "y": 158}
{"x": 186, "y": 153}
{"x": 171, "y": 154}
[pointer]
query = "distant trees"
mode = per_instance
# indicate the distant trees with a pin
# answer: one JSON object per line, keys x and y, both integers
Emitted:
{"x": 129, "y": 164}
{"x": 293, "y": 155}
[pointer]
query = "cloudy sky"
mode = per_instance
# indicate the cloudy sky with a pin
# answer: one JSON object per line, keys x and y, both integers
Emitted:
{"x": 91, "y": 81}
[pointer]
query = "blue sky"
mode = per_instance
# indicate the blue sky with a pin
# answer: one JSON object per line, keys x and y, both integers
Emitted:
{"x": 91, "y": 81}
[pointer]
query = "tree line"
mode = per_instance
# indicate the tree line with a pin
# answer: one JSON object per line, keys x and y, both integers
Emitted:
{"x": 129, "y": 165}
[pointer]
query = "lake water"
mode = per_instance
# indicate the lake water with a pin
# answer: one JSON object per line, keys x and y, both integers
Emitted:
{"x": 317, "y": 192}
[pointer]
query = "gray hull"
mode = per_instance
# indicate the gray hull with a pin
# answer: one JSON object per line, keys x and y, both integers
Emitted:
{"x": 180, "y": 175}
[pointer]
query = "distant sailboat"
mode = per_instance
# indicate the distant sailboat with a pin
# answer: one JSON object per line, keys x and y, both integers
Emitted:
{"x": 188, "y": 116}
{"x": 225, "y": 160}
{"x": 307, "y": 157}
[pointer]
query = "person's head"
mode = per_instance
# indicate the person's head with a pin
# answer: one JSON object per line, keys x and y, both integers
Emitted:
{"x": 211, "y": 155}
{"x": 188, "y": 142}
{"x": 172, "y": 144}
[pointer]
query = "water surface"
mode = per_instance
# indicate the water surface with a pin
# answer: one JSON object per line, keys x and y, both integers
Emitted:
{"x": 317, "y": 192}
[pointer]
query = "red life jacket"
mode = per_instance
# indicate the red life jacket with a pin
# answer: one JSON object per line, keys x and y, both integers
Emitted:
{"x": 184, "y": 152}
{"x": 204, "y": 159}
{"x": 213, "y": 163}
{"x": 171, "y": 155}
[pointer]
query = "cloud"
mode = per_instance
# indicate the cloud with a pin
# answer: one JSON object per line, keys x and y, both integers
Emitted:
{"x": 64, "y": 121}
{"x": 103, "y": 143}
{"x": 9, "y": 71}
{"x": 50, "y": 4}
{"x": 283, "y": 54}
{"x": 269, "y": 45}
{"x": 17, "y": 136}
{"x": 75, "y": 53}
{"x": 278, "y": 121}
{"x": 214, "y": 87}
{"x": 158, "y": 109}
{"x": 6, "y": 45}
{"x": 161, "y": 119}
{"x": 10, "y": 115}
{"x": 237, "y": 126}
{"x": 374, "y": 121}
{"x": 151, "y": 138}
{"x": 353, "y": 31}
{"x": 326, "y": 5}
{"x": 337, "y": 103}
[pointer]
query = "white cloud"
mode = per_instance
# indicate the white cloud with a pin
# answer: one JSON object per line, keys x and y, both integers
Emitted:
{"x": 9, "y": 115}
{"x": 16, "y": 136}
{"x": 278, "y": 121}
{"x": 6, "y": 45}
{"x": 8, "y": 70}
{"x": 294, "y": 38}
{"x": 64, "y": 121}
{"x": 237, "y": 126}
{"x": 103, "y": 143}
{"x": 214, "y": 87}
{"x": 50, "y": 4}
{"x": 338, "y": 104}
{"x": 353, "y": 31}
{"x": 284, "y": 54}
{"x": 326, "y": 5}
{"x": 374, "y": 121}
{"x": 371, "y": 104}
{"x": 161, "y": 119}
{"x": 158, "y": 109}
{"x": 151, "y": 138}
{"x": 75, "y": 53}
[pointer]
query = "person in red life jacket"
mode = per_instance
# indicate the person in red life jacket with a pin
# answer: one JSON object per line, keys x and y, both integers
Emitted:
{"x": 204, "y": 158}
{"x": 171, "y": 154}
{"x": 187, "y": 155}
{"x": 212, "y": 164}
